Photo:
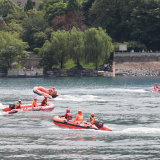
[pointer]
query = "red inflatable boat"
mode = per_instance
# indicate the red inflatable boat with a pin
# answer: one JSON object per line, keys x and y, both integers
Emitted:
{"x": 27, "y": 107}
{"x": 62, "y": 122}
{"x": 44, "y": 92}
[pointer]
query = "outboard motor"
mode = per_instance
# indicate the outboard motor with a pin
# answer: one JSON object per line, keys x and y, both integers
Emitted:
{"x": 99, "y": 124}
{"x": 12, "y": 106}
{"x": 54, "y": 95}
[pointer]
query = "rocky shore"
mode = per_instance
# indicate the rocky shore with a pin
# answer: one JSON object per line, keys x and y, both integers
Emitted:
{"x": 73, "y": 72}
{"x": 137, "y": 72}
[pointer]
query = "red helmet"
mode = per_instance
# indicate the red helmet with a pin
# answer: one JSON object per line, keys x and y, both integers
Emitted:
{"x": 92, "y": 115}
{"x": 68, "y": 110}
{"x": 45, "y": 97}
{"x": 80, "y": 112}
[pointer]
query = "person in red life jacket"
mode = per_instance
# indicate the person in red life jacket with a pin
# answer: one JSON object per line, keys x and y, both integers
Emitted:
{"x": 34, "y": 102}
{"x": 79, "y": 116}
{"x": 93, "y": 119}
{"x": 18, "y": 105}
{"x": 156, "y": 86}
{"x": 67, "y": 114}
{"x": 44, "y": 102}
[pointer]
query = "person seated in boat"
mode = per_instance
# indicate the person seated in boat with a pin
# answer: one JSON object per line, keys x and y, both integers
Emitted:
{"x": 93, "y": 119}
{"x": 54, "y": 92}
{"x": 67, "y": 115}
{"x": 79, "y": 116}
{"x": 18, "y": 105}
{"x": 34, "y": 102}
{"x": 156, "y": 86}
{"x": 44, "y": 102}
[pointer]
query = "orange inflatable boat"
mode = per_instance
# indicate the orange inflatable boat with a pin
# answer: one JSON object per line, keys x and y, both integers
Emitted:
{"x": 28, "y": 107}
{"x": 62, "y": 122}
{"x": 44, "y": 92}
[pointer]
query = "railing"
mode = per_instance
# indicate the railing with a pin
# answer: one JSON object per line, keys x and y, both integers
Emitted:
{"x": 35, "y": 72}
{"x": 135, "y": 54}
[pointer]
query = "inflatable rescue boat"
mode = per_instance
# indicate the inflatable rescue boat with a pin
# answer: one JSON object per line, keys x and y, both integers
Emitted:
{"x": 44, "y": 92}
{"x": 62, "y": 122}
{"x": 28, "y": 107}
{"x": 154, "y": 90}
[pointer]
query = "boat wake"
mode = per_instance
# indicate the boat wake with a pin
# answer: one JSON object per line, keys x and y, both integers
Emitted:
{"x": 141, "y": 130}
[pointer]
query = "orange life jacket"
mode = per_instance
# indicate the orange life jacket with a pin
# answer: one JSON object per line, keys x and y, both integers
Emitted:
{"x": 34, "y": 103}
{"x": 79, "y": 117}
{"x": 92, "y": 119}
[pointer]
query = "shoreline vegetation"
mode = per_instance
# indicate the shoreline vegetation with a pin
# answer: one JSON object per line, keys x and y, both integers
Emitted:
{"x": 83, "y": 31}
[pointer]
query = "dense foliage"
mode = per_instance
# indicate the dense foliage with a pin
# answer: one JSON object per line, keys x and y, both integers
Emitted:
{"x": 82, "y": 30}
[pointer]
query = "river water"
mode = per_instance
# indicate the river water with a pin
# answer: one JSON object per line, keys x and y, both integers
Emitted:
{"x": 124, "y": 104}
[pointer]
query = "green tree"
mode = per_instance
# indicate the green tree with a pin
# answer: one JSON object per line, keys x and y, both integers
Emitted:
{"x": 7, "y": 7}
{"x": 76, "y": 45}
{"x": 145, "y": 23}
{"x": 39, "y": 38}
{"x": 59, "y": 44}
{"x": 28, "y": 5}
{"x": 98, "y": 45}
{"x": 47, "y": 55}
{"x": 12, "y": 48}
{"x": 53, "y": 8}
{"x": 31, "y": 26}
{"x": 72, "y": 6}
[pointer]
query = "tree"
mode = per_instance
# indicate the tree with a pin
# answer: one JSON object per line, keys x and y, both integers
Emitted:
{"x": 47, "y": 56}
{"x": 98, "y": 45}
{"x": 12, "y": 48}
{"x": 142, "y": 19}
{"x": 114, "y": 16}
{"x": 73, "y": 6}
{"x": 2, "y": 24}
{"x": 76, "y": 45}
{"x": 39, "y": 38}
{"x": 28, "y": 5}
{"x": 67, "y": 22}
{"x": 31, "y": 26}
{"x": 59, "y": 44}
{"x": 7, "y": 7}
{"x": 53, "y": 8}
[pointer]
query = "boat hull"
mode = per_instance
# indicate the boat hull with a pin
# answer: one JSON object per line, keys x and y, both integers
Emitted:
{"x": 44, "y": 92}
{"x": 29, "y": 107}
{"x": 62, "y": 122}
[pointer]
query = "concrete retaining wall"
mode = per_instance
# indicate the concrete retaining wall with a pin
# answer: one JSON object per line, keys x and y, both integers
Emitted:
{"x": 20, "y": 73}
{"x": 140, "y": 62}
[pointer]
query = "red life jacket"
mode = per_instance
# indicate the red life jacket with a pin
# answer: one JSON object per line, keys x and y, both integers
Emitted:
{"x": 69, "y": 116}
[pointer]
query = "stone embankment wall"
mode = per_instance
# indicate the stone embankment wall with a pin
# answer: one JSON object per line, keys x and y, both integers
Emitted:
{"x": 77, "y": 73}
{"x": 137, "y": 64}
{"x": 28, "y": 73}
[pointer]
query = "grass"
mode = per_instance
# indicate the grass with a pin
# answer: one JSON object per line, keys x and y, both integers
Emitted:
{"x": 70, "y": 64}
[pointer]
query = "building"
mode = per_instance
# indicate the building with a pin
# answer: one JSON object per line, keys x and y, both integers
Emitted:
{"x": 23, "y": 2}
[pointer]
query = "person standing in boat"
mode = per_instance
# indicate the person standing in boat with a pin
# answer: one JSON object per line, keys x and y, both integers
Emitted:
{"x": 93, "y": 119}
{"x": 44, "y": 102}
{"x": 34, "y": 102}
{"x": 67, "y": 115}
{"x": 18, "y": 105}
{"x": 79, "y": 116}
